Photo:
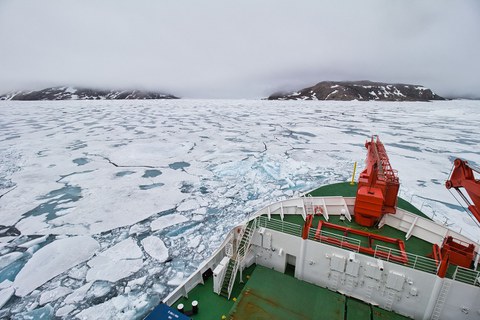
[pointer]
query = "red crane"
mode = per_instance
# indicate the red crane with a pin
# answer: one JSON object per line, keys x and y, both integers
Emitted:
{"x": 462, "y": 177}
{"x": 377, "y": 186}
{"x": 455, "y": 251}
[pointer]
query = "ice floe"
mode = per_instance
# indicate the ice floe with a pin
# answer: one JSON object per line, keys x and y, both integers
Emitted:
{"x": 155, "y": 248}
{"x": 5, "y": 295}
{"x": 52, "y": 260}
{"x": 119, "y": 261}
{"x": 9, "y": 258}
{"x": 167, "y": 221}
{"x": 54, "y": 294}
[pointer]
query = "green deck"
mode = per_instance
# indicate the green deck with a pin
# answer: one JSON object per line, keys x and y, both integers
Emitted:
{"x": 345, "y": 189}
{"x": 413, "y": 245}
{"x": 268, "y": 294}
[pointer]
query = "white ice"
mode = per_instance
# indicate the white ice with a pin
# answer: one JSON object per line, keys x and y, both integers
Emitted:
{"x": 123, "y": 307}
{"x": 86, "y": 175}
{"x": 167, "y": 221}
{"x": 155, "y": 248}
{"x": 52, "y": 260}
{"x": 117, "y": 262}
{"x": 33, "y": 242}
{"x": 79, "y": 294}
{"x": 53, "y": 295}
{"x": 5, "y": 295}
{"x": 9, "y": 258}
{"x": 6, "y": 284}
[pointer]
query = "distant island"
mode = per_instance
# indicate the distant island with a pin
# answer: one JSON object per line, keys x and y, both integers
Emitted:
{"x": 72, "y": 93}
{"x": 361, "y": 91}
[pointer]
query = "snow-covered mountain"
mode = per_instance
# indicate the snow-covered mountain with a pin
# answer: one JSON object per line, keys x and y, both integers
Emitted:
{"x": 360, "y": 90}
{"x": 72, "y": 93}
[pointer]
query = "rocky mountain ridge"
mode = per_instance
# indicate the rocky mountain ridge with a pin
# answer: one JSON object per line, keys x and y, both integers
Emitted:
{"x": 72, "y": 93}
{"x": 361, "y": 91}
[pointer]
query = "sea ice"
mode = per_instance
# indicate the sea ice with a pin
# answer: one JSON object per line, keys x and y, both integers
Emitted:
{"x": 117, "y": 262}
{"x": 79, "y": 294}
{"x": 9, "y": 258}
{"x": 120, "y": 307}
{"x": 54, "y": 294}
{"x": 195, "y": 241}
{"x": 176, "y": 280}
{"x": 242, "y": 155}
{"x": 155, "y": 248}
{"x": 45, "y": 312}
{"x": 64, "y": 311}
{"x": 52, "y": 260}
{"x": 6, "y": 284}
{"x": 137, "y": 282}
{"x": 33, "y": 242}
{"x": 188, "y": 205}
{"x": 5, "y": 295}
{"x": 167, "y": 221}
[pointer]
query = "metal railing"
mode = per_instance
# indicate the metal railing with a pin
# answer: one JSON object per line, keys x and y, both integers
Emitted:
{"x": 413, "y": 261}
{"x": 241, "y": 253}
{"x": 334, "y": 239}
{"x": 467, "y": 276}
{"x": 231, "y": 281}
{"x": 279, "y": 225}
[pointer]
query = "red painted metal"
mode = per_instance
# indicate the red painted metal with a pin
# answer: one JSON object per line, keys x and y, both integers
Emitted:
{"x": 378, "y": 186}
{"x": 462, "y": 177}
{"x": 436, "y": 254}
{"x": 459, "y": 252}
{"x": 402, "y": 257}
{"x": 442, "y": 269}
{"x": 306, "y": 226}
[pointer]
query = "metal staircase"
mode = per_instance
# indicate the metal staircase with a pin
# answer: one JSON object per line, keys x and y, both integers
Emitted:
{"x": 237, "y": 260}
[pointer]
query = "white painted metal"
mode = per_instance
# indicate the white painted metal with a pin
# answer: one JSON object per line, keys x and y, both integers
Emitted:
{"x": 420, "y": 297}
{"x": 442, "y": 297}
{"x": 410, "y": 230}
{"x": 218, "y": 276}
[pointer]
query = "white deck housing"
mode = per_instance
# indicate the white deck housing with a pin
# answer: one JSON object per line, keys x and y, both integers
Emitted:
{"x": 411, "y": 291}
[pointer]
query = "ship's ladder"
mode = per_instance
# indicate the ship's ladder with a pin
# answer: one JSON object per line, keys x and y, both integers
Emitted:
{"x": 237, "y": 260}
{"x": 390, "y": 299}
{"x": 350, "y": 282}
{"x": 442, "y": 297}
{"x": 334, "y": 279}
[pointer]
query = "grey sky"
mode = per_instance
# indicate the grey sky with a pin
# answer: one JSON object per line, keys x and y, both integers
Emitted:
{"x": 239, "y": 49}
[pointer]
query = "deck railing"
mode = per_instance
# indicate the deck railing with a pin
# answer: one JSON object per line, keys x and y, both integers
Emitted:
{"x": 381, "y": 252}
{"x": 334, "y": 239}
{"x": 413, "y": 261}
{"x": 279, "y": 225}
{"x": 467, "y": 276}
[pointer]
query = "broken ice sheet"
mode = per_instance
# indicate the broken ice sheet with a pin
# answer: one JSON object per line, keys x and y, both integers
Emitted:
{"x": 237, "y": 164}
{"x": 52, "y": 260}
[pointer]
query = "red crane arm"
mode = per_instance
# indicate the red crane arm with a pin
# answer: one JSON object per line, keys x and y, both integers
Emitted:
{"x": 462, "y": 177}
{"x": 377, "y": 186}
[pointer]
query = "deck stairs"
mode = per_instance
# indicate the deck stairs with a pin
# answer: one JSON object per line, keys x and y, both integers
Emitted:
{"x": 237, "y": 259}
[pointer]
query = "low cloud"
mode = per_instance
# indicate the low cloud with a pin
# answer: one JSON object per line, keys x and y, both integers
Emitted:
{"x": 232, "y": 49}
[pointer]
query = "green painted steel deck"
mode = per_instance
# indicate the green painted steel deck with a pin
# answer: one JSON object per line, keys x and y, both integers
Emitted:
{"x": 412, "y": 245}
{"x": 273, "y": 295}
{"x": 210, "y": 304}
{"x": 345, "y": 189}
{"x": 268, "y": 294}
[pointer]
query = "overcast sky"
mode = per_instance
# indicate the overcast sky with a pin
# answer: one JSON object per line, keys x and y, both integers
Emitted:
{"x": 239, "y": 49}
